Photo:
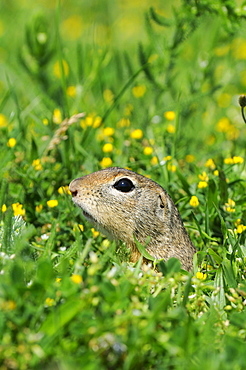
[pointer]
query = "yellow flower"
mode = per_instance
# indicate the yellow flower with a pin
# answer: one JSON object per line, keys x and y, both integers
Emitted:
{"x": 202, "y": 184}
{"x": 97, "y": 122}
{"x": 170, "y": 115}
{"x": 167, "y": 158}
{"x": 94, "y": 232}
{"x": 57, "y": 69}
{"x": 171, "y": 129}
{"x": 45, "y": 121}
{"x": 108, "y": 131}
{"x": 237, "y": 159}
{"x": 241, "y": 228}
{"x": 81, "y": 227}
{"x": 4, "y": 208}
{"x": 106, "y": 162}
{"x": 8, "y": 305}
{"x": 137, "y": 134}
{"x": 154, "y": 160}
{"x": 153, "y": 58}
{"x": 233, "y": 133}
{"x": 64, "y": 190}
{"x": 230, "y": 205}
{"x": 49, "y": 302}
{"x": 148, "y": 150}
{"x": 216, "y": 173}
{"x": 91, "y": 120}
{"x": 11, "y": 142}
{"x": 71, "y": 91}
{"x": 61, "y": 190}
{"x": 128, "y": 109}
{"x": 39, "y": 208}
{"x": 3, "y": 120}
{"x": 234, "y": 160}
{"x": 52, "y": 203}
{"x": 72, "y": 27}
{"x": 194, "y": 202}
{"x": 107, "y": 148}
{"x": 222, "y": 50}
{"x": 77, "y": 279}
{"x": 58, "y": 280}
{"x": 124, "y": 122}
{"x": 228, "y": 161}
{"x": 78, "y": 227}
{"x": 171, "y": 167}
{"x": 237, "y": 222}
{"x": 57, "y": 117}
{"x": 203, "y": 176}
{"x": 36, "y": 163}
{"x": 108, "y": 95}
{"x": 239, "y": 48}
{"x": 105, "y": 244}
{"x": 223, "y": 125}
{"x": 18, "y": 209}
{"x": 210, "y": 164}
{"x": 201, "y": 275}
{"x": 139, "y": 91}
{"x": 190, "y": 158}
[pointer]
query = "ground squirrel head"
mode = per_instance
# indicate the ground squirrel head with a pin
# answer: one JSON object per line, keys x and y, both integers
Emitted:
{"x": 127, "y": 206}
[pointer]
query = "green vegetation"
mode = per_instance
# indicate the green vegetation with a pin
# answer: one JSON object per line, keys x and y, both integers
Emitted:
{"x": 159, "y": 90}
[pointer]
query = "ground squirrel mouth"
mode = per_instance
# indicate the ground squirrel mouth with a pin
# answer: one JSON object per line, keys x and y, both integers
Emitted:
{"x": 74, "y": 193}
{"x": 88, "y": 216}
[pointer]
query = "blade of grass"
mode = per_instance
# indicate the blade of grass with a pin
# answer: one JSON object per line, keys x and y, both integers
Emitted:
{"x": 122, "y": 91}
{"x": 60, "y": 59}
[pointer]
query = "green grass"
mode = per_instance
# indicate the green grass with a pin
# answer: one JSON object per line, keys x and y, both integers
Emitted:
{"x": 69, "y": 298}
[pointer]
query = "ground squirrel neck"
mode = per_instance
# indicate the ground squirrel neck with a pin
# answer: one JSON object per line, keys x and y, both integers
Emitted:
{"x": 125, "y": 205}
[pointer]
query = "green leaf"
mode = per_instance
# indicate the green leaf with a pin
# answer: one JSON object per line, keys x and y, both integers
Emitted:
{"x": 223, "y": 187}
{"x": 143, "y": 251}
{"x": 61, "y": 315}
{"x": 215, "y": 256}
{"x": 229, "y": 273}
{"x": 219, "y": 297}
{"x": 170, "y": 266}
{"x": 187, "y": 289}
{"x": 17, "y": 275}
{"x": 239, "y": 319}
{"x": 160, "y": 303}
{"x": 34, "y": 150}
{"x": 199, "y": 227}
{"x": 159, "y": 19}
{"x": 212, "y": 197}
{"x": 45, "y": 272}
{"x": 222, "y": 222}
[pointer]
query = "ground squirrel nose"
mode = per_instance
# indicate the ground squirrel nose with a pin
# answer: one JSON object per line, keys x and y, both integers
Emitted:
{"x": 72, "y": 188}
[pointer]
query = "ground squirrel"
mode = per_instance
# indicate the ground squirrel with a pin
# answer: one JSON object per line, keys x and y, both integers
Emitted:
{"x": 127, "y": 206}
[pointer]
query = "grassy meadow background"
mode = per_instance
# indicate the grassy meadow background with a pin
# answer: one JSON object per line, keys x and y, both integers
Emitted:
{"x": 152, "y": 86}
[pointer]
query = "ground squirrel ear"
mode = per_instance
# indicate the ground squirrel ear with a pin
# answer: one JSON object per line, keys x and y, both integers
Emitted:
{"x": 160, "y": 202}
{"x": 160, "y": 207}
{"x": 163, "y": 205}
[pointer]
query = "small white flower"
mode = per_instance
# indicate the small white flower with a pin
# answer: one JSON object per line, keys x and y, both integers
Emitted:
{"x": 44, "y": 237}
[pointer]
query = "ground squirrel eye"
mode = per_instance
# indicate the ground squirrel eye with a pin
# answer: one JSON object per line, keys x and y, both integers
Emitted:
{"x": 124, "y": 185}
